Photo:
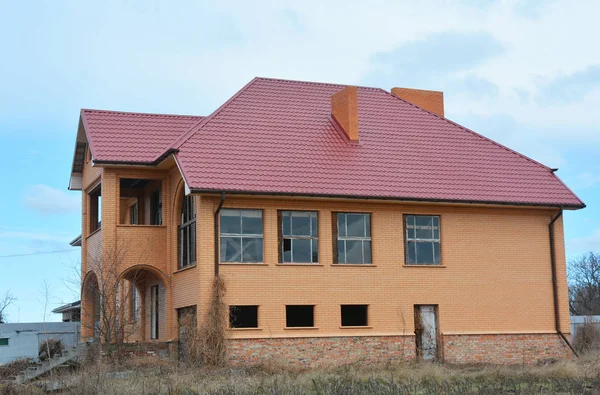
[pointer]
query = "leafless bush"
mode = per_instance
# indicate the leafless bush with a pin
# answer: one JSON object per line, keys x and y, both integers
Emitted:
{"x": 205, "y": 345}
{"x": 587, "y": 337}
{"x": 11, "y": 369}
{"x": 50, "y": 349}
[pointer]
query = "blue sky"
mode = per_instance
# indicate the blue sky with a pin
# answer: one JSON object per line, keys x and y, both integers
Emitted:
{"x": 524, "y": 73}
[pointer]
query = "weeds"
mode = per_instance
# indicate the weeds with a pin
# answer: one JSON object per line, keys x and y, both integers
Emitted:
{"x": 587, "y": 337}
{"x": 582, "y": 376}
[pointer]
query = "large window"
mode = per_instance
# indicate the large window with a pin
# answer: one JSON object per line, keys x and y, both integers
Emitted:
{"x": 95, "y": 211}
{"x": 353, "y": 238}
{"x": 187, "y": 233}
{"x": 298, "y": 237}
{"x": 135, "y": 302}
{"x": 241, "y": 235}
{"x": 156, "y": 208}
{"x": 422, "y": 239}
{"x": 140, "y": 201}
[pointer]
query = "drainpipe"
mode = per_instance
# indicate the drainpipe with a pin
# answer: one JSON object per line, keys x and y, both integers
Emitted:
{"x": 555, "y": 282}
{"x": 217, "y": 256}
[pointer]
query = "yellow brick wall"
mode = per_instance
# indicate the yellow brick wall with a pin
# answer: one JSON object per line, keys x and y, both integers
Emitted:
{"x": 495, "y": 275}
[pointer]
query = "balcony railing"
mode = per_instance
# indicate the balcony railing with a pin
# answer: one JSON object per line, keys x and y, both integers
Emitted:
{"x": 142, "y": 244}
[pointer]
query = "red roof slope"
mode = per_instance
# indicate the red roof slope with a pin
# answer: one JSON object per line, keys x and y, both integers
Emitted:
{"x": 133, "y": 137}
{"x": 277, "y": 137}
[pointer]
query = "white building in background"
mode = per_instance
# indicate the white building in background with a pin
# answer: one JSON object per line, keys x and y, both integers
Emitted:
{"x": 22, "y": 340}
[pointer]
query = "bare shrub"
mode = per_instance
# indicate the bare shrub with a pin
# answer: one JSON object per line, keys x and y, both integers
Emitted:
{"x": 206, "y": 344}
{"x": 50, "y": 348}
{"x": 587, "y": 337}
{"x": 12, "y": 369}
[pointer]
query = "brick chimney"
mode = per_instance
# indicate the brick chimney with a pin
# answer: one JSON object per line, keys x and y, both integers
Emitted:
{"x": 432, "y": 101}
{"x": 344, "y": 108}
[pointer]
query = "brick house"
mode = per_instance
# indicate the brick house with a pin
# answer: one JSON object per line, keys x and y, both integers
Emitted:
{"x": 349, "y": 224}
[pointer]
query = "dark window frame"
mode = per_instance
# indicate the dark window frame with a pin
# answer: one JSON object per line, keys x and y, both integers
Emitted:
{"x": 366, "y": 307}
{"x": 156, "y": 217}
{"x": 281, "y": 237}
{"x": 187, "y": 253}
{"x": 134, "y": 214}
{"x": 241, "y": 236}
{"x": 287, "y": 318}
{"x": 7, "y": 342}
{"x": 95, "y": 208}
{"x": 232, "y": 315}
{"x": 432, "y": 240}
{"x": 155, "y": 326}
{"x": 335, "y": 237}
{"x": 135, "y": 298}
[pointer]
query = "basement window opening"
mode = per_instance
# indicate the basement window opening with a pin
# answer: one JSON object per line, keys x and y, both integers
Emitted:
{"x": 422, "y": 235}
{"x": 299, "y": 316}
{"x": 298, "y": 237}
{"x": 355, "y": 315}
{"x": 140, "y": 201}
{"x": 4, "y": 341}
{"x": 243, "y": 317}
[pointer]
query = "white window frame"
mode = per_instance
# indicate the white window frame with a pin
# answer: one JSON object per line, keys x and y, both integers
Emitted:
{"x": 432, "y": 240}
{"x": 291, "y": 237}
{"x": 353, "y": 238}
{"x": 242, "y": 236}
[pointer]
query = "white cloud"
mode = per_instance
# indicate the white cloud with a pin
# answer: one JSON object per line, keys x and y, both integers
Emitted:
{"x": 47, "y": 200}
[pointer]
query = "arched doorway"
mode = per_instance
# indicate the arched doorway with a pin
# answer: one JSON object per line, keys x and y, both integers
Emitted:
{"x": 143, "y": 295}
{"x": 90, "y": 307}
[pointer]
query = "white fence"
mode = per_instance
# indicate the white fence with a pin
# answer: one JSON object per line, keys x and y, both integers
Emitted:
{"x": 20, "y": 341}
{"x": 577, "y": 322}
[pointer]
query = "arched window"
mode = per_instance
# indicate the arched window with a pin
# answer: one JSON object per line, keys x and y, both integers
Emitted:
{"x": 187, "y": 233}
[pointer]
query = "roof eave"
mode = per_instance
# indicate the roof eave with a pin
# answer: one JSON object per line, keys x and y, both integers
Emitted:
{"x": 155, "y": 162}
{"x": 566, "y": 206}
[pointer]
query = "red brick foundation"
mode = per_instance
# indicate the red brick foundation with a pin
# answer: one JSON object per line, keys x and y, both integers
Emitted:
{"x": 504, "y": 349}
{"x": 321, "y": 351}
{"x": 459, "y": 349}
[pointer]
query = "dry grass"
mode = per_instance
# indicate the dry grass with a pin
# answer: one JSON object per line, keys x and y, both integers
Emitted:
{"x": 582, "y": 376}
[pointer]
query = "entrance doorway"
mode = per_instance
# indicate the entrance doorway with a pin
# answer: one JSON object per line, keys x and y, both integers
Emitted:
{"x": 426, "y": 331}
{"x": 186, "y": 320}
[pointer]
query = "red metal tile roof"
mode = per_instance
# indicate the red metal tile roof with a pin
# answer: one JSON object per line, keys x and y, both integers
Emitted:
{"x": 277, "y": 137}
{"x": 133, "y": 137}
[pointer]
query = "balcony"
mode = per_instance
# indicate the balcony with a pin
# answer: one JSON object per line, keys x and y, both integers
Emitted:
{"x": 142, "y": 245}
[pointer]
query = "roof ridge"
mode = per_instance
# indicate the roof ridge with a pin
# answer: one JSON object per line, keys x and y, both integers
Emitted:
{"x": 141, "y": 113}
{"x": 472, "y": 132}
{"x": 315, "y": 83}
{"x": 187, "y": 135}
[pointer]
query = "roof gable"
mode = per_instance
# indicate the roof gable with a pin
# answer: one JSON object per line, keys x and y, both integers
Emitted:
{"x": 126, "y": 137}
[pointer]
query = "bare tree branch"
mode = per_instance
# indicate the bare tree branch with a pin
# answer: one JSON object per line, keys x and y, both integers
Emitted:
{"x": 7, "y": 300}
{"x": 584, "y": 284}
